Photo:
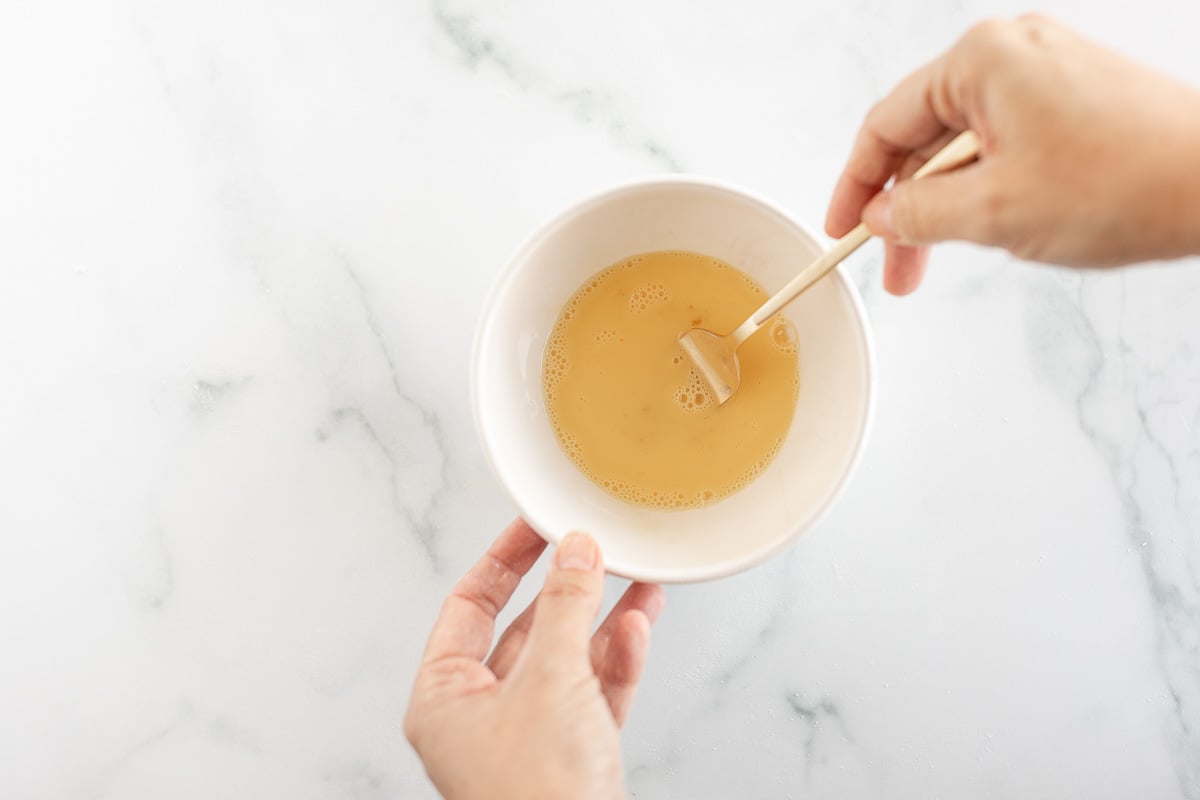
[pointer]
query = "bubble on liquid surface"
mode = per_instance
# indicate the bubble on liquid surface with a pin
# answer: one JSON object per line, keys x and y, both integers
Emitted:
{"x": 644, "y": 297}
{"x": 694, "y": 395}
{"x": 783, "y": 335}
{"x": 554, "y": 368}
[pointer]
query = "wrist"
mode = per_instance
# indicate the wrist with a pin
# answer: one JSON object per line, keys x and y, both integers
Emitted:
{"x": 1184, "y": 198}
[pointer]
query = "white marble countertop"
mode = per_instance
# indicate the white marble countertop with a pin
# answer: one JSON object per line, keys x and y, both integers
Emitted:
{"x": 243, "y": 249}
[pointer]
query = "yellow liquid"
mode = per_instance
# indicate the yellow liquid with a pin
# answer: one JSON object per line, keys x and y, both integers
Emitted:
{"x": 628, "y": 407}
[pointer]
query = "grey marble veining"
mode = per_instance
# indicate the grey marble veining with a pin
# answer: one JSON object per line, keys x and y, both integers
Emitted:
{"x": 244, "y": 249}
{"x": 1138, "y": 405}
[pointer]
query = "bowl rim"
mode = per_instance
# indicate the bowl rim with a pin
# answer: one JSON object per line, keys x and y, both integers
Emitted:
{"x": 624, "y": 569}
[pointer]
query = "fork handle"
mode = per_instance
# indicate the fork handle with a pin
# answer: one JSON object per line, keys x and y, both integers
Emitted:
{"x": 959, "y": 151}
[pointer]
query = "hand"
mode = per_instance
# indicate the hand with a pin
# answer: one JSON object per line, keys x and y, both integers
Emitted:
{"x": 1088, "y": 159}
{"x": 541, "y": 718}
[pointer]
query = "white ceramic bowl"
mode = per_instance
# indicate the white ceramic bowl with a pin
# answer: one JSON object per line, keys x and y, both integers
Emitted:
{"x": 833, "y": 409}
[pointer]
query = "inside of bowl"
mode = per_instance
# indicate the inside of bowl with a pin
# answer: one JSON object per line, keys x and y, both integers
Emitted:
{"x": 832, "y": 407}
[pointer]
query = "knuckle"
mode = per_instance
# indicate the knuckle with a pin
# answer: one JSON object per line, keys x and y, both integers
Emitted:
{"x": 1035, "y": 21}
{"x": 992, "y": 216}
{"x": 869, "y": 140}
{"x": 1036, "y": 29}
{"x": 873, "y": 114}
{"x": 992, "y": 201}
{"x": 567, "y": 589}
{"x": 984, "y": 48}
{"x": 908, "y": 217}
{"x": 987, "y": 32}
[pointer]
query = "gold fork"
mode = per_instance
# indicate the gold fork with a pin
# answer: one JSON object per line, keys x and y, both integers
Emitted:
{"x": 715, "y": 356}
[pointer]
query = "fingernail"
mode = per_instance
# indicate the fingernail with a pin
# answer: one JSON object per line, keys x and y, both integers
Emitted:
{"x": 878, "y": 215}
{"x": 576, "y": 552}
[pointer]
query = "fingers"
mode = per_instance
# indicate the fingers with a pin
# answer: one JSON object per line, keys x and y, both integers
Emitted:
{"x": 621, "y": 642}
{"x": 903, "y": 267}
{"x": 567, "y": 605}
{"x": 501, "y": 661}
{"x": 965, "y": 204}
{"x": 871, "y": 165}
{"x": 962, "y": 204}
{"x": 464, "y": 627}
{"x": 645, "y": 597}
{"x": 919, "y": 116}
{"x": 623, "y": 662}
{"x": 916, "y": 115}
{"x": 902, "y": 131}
{"x": 648, "y": 598}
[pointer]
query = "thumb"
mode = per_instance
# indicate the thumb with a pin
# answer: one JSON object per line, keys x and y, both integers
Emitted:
{"x": 567, "y": 605}
{"x": 952, "y": 205}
